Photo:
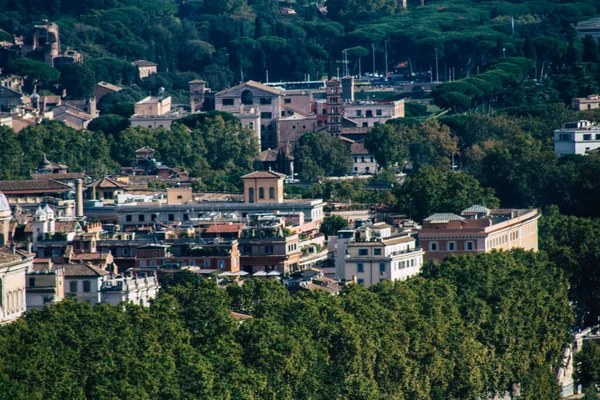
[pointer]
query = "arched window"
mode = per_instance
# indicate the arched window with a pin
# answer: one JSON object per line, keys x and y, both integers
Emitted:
{"x": 251, "y": 195}
{"x": 247, "y": 98}
{"x": 271, "y": 193}
{"x": 261, "y": 193}
{"x": 221, "y": 264}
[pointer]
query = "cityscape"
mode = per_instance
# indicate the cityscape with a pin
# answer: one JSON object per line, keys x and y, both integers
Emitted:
{"x": 298, "y": 199}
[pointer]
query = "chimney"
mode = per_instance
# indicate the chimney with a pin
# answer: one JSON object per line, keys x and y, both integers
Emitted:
{"x": 78, "y": 199}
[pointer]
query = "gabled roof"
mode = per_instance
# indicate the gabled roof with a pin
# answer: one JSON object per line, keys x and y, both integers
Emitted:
{"x": 225, "y": 228}
{"x": 252, "y": 84}
{"x": 109, "y": 86}
{"x": 144, "y": 149}
{"x": 264, "y": 175}
{"x": 444, "y": 217}
{"x": 75, "y": 270}
{"x": 59, "y": 176}
{"x": 476, "y": 209}
{"x": 107, "y": 183}
{"x": 197, "y": 81}
{"x": 267, "y": 155}
{"x": 33, "y": 186}
{"x": 144, "y": 63}
{"x": 358, "y": 149}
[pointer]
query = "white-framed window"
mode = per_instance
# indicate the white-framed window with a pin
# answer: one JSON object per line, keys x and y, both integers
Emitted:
{"x": 451, "y": 246}
{"x": 434, "y": 246}
{"x": 469, "y": 245}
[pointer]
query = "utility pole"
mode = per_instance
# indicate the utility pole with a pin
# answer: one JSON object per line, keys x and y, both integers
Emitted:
{"x": 386, "y": 61}
{"x": 359, "y": 67}
{"x": 437, "y": 69}
{"x": 373, "y": 50}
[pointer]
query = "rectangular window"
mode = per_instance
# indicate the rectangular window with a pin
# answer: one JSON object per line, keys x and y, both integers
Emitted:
{"x": 265, "y": 100}
{"x": 31, "y": 282}
{"x": 363, "y": 252}
{"x": 128, "y": 218}
{"x": 171, "y": 217}
{"x": 73, "y": 286}
{"x": 142, "y": 264}
{"x": 587, "y": 136}
{"x": 382, "y": 268}
{"x": 376, "y": 252}
{"x": 358, "y": 113}
{"x": 360, "y": 267}
{"x": 186, "y": 217}
{"x": 378, "y": 112}
{"x": 268, "y": 249}
{"x": 153, "y": 264}
{"x": 597, "y": 136}
{"x": 141, "y": 217}
{"x": 564, "y": 137}
{"x": 266, "y": 115}
{"x": 227, "y": 102}
{"x": 192, "y": 263}
{"x": 207, "y": 262}
{"x": 361, "y": 281}
{"x": 287, "y": 101}
{"x": 87, "y": 286}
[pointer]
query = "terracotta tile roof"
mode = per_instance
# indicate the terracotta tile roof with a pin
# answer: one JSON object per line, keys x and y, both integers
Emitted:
{"x": 239, "y": 316}
{"x": 81, "y": 270}
{"x": 66, "y": 226}
{"x": 107, "y": 183}
{"x": 253, "y": 84}
{"x": 109, "y": 86}
{"x": 267, "y": 155}
{"x": 144, "y": 149}
{"x": 224, "y": 228}
{"x": 90, "y": 256}
{"x": 28, "y": 186}
{"x": 358, "y": 149}
{"x": 197, "y": 81}
{"x": 144, "y": 63}
{"x": 263, "y": 175}
{"x": 60, "y": 176}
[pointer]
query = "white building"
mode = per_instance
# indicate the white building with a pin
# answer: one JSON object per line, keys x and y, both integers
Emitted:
{"x": 137, "y": 290}
{"x": 363, "y": 162}
{"x": 578, "y": 137}
{"x": 372, "y": 254}
{"x": 369, "y": 113}
{"x": 83, "y": 281}
{"x": 13, "y": 267}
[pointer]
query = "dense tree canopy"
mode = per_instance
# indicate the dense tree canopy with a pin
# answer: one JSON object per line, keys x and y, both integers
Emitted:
{"x": 470, "y": 327}
{"x": 321, "y": 155}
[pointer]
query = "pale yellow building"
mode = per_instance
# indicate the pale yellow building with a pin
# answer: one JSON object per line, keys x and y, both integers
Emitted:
{"x": 263, "y": 187}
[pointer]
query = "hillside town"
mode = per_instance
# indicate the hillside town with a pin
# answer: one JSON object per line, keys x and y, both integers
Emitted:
{"x": 339, "y": 199}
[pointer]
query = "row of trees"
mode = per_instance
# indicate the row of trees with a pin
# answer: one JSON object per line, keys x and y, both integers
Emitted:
{"x": 238, "y": 39}
{"x": 208, "y": 146}
{"x": 469, "y": 328}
